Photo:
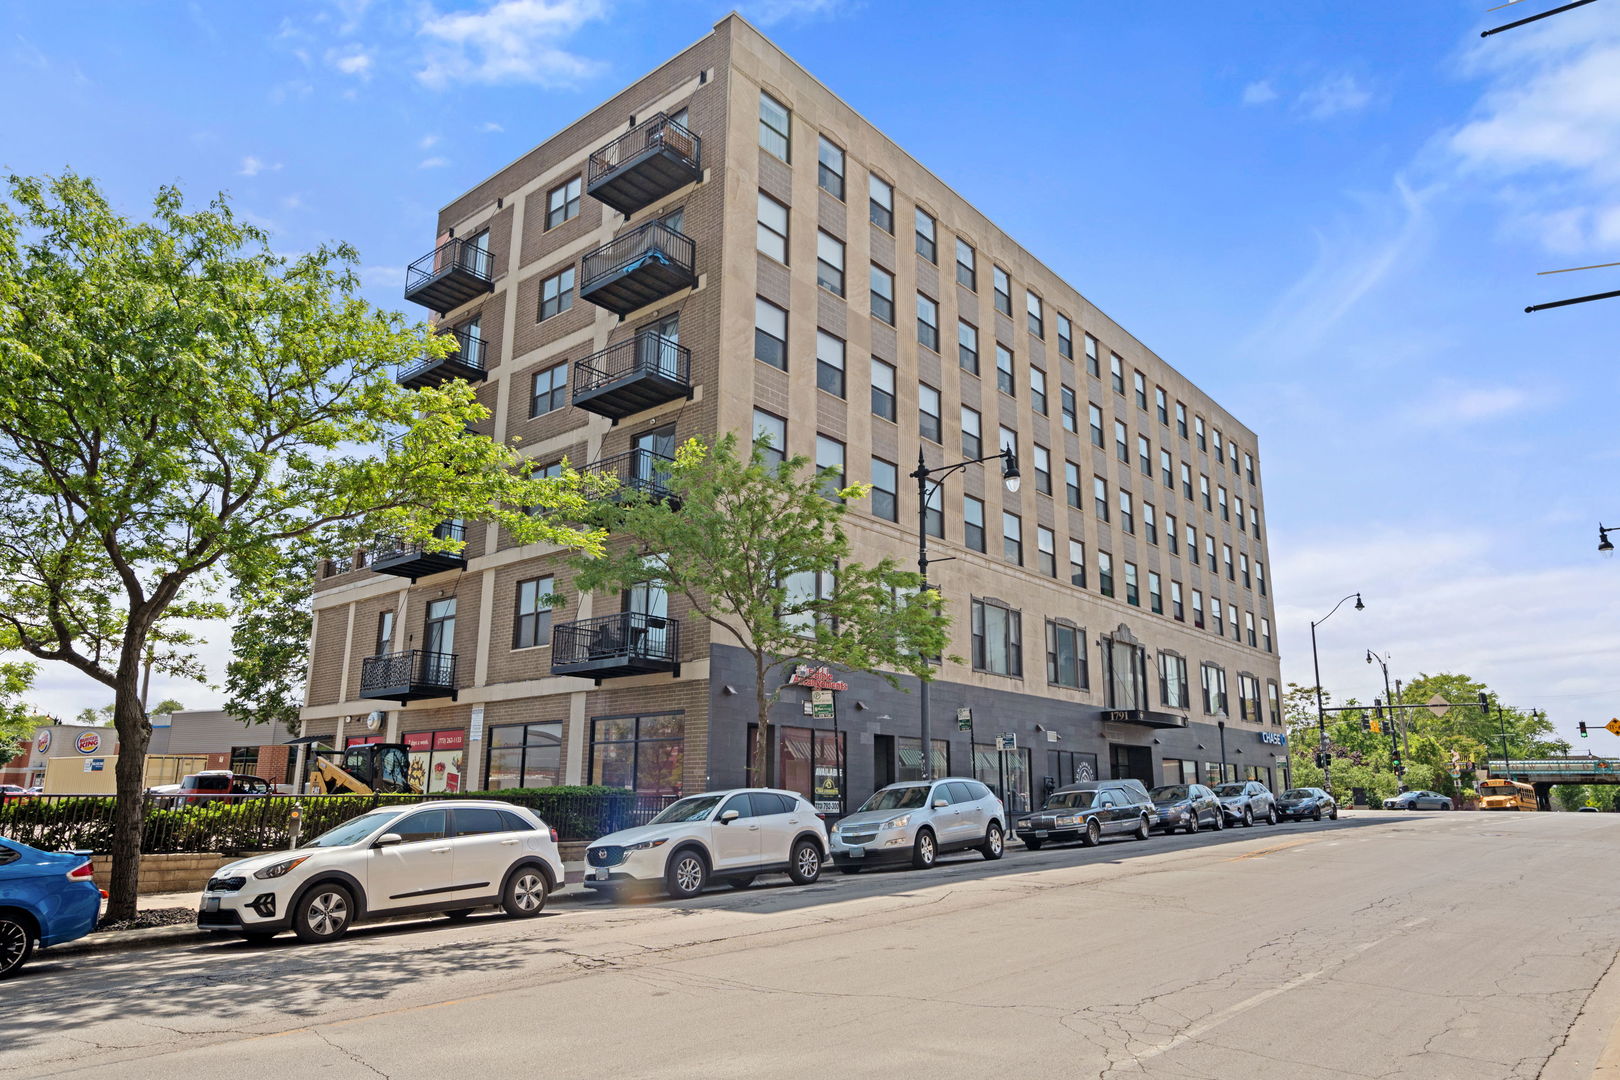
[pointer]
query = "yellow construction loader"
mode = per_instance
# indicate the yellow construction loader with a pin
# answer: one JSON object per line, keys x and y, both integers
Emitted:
{"x": 367, "y": 769}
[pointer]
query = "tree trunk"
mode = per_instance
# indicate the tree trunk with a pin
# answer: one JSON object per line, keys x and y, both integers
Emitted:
{"x": 762, "y": 704}
{"x": 134, "y": 736}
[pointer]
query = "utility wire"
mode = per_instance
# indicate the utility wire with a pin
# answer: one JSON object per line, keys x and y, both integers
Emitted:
{"x": 1534, "y": 18}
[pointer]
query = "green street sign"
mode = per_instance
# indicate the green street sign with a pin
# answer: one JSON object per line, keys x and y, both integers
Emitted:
{"x": 964, "y": 719}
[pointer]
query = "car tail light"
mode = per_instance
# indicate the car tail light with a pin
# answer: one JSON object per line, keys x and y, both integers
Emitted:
{"x": 82, "y": 872}
{"x": 554, "y": 834}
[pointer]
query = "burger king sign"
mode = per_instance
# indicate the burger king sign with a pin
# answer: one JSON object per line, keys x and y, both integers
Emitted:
{"x": 88, "y": 742}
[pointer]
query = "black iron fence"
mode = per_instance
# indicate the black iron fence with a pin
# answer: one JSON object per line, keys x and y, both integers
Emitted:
{"x": 647, "y": 353}
{"x": 452, "y": 255}
{"x": 629, "y": 635}
{"x": 654, "y": 242}
{"x": 469, "y": 353}
{"x": 656, "y": 133}
{"x": 230, "y": 824}
{"x": 385, "y": 547}
{"x": 640, "y": 470}
{"x": 410, "y": 668}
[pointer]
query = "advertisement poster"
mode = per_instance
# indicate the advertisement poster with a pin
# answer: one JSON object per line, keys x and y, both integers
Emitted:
{"x": 436, "y": 760}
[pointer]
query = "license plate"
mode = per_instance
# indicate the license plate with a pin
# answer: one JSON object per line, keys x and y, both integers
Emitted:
{"x": 856, "y": 853}
{"x": 1040, "y": 834}
{"x": 602, "y": 875}
{"x": 210, "y": 903}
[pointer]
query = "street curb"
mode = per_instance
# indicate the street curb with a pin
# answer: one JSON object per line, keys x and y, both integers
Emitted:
{"x": 124, "y": 940}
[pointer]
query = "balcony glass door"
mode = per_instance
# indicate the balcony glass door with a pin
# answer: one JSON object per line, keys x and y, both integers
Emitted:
{"x": 439, "y": 641}
{"x": 644, "y": 465}
{"x": 648, "y": 604}
{"x": 475, "y": 254}
{"x": 660, "y": 347}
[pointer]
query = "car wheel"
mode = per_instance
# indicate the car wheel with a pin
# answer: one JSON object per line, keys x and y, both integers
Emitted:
{"x": 525, "y": 892}
{"x": 1093, "y": 834}
{"x": 1248, "y": 817}
{"x": 323, "y": 914}
{"x": 849, "y": 869}
{"x": 1144, "y": 828}
{"x": 1033, "y": 844}
{"x": 1271, "y": 815}
{"x": 804, "y": 865}
{"x": 16, "y": 944}
{"x": 1317, "y": 816}
{"x": 925, "y": 851}
{"x": 1220, "y": 820}
{"x": 1192, "y": 823}
{"x": 458, "y": 914}
{"x": 686, "y": 876}
{"x": 740, "y": 883}
{"x": 1333, "y": 814}
{"x": 995, "y": 842}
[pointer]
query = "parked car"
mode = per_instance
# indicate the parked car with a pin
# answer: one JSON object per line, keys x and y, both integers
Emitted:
{"x": 731, "y": 836}
{"x": 1586, "y": 809}
{"x": 9, "y": 792}
{"x": 1089, "y": 810}
{"x": 1186, "y": 806}
{"x": 46, "y": 898}
{"x": 217, "y": 785}
{"x": 1247, "y": 801}
{"x": 919, "y": 821}
{"x": 1418, "y": 800}
{"x": 447, "y": 857}
{"x": 1300, "y": 803}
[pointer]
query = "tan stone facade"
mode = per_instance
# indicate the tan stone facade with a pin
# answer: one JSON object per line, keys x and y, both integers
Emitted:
{"x": 1119, "y": 720}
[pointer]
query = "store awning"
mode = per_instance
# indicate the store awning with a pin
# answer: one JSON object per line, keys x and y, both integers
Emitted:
{"x": 1144, "y": 718}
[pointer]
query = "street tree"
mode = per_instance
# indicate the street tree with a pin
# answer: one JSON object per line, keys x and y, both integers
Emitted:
{"x": 184, "y": 407}
{"x": 264, "y": 679}
{"x": 167, "y": 705}
{"x": 758, "y": 550}
{"x": 17, "y": 720}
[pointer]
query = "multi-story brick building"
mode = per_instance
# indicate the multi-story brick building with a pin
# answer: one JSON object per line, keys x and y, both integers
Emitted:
{"x": 727, "y": 246}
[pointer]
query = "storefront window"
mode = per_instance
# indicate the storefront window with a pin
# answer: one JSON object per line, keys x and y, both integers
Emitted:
{"x": 908, "y": 764}
{"x": 244, "y": 759}
{"x": 1069, "y": 766}
{"x": 436, "y": 760}
{"x": 1007, "y": 773}
{"x": 808, "y": 761}
{"x": 642, "y": 753}
{"x": 524, "y": 756}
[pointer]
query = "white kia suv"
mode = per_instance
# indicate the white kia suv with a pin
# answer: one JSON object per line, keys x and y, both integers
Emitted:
{"x": 449, "y": 856}
{"x": 732, "y": 836}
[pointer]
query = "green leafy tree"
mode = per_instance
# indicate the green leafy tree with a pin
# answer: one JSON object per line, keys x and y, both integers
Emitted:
{"x": 17, "y": 720}
{"x": 264, "y": 679}
{"x": 102, "y": 717}
{"x": 745, "y": 550}
{"x": 181, "y": 407}
{"x": 167, "y": 705}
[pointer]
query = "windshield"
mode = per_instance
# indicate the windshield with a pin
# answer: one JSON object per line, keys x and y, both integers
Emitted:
{"x": 1071, "y": 800}
{"x": 694, "y": 808}
{"x": 1168, "y": 793}
{"x": 1299, "y": 793}
{"x": 896, "y": 798}
{"x": 354, "y": 830}
{"x": 1223, "y": 790}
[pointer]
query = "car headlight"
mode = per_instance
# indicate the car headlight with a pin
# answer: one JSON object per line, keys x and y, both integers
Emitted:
{"x": 1068, "y": 820}
{"x": 280, "y": 869}
{"x": 1024, "y": 823}
{"x": 897, "y": 823}
{"x": 646, "y": 845}
{"x": 834, "y": 828}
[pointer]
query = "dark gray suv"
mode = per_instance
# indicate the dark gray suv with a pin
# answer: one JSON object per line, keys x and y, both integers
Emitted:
{"x": 1088, "y": 811}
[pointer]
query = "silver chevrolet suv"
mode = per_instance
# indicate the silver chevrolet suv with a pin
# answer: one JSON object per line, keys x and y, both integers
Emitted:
{"x": 919, "y": 821}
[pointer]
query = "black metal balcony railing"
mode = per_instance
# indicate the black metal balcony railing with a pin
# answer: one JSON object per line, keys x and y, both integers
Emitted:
{"x": 466, "y": 362}
{"x": 403, "y": 558}
{"x": 642, "y": 266}
{"x": 646, "y": 163}
{"x": 450, "y": 275}
{"x": 629, "y": 643}
{"x": 632, "y": 375}
{"x": 640, "y": 471}
{"x": 408, "y": 675}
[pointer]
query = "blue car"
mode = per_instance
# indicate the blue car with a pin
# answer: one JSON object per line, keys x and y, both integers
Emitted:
{"x": 45, "y": 897}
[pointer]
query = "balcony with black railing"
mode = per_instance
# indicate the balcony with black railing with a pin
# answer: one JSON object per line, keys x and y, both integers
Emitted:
{"x": 639, "y": 472}
{"x": 466, "y": 362}
{"x": 609, "y": 646}
{"x": 405, "y": 558}
{"x": 450, "y": 275}
{"x": 633, "y": 375}
{"x": 639, "y": 268}
{"x": 408, "y": 676}
{"x": 651, "y": 160}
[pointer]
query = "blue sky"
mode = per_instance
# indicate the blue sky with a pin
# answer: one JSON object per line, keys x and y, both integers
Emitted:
{"x": 1331, "y": 220}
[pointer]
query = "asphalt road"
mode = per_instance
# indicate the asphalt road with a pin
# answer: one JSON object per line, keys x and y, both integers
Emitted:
{"x": 1384, "y": 945}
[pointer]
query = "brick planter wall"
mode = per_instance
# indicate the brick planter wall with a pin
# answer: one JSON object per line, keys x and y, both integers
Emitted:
{"x": 169, "y": 873}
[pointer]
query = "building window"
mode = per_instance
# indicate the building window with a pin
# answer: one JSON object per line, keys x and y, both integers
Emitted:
{"x": 1203, "y": 492}
{"x": 770, "y": 333}
{"x": 928, "y": 412}
{"x": 1260, "y": 576}
{"x": 1071, "y": 483}
{"x": 830, "y": 463}
{"x": 800, "y": 594}
{"x": 1144, "y": 455}
{"x": 830, "y": 168}
{"x": 1192, "y": 544}
{"x": 770, "y": 437}
{"x": 927, "y": 323}
{"x": 967, "y": 347}
{"x": 1238, "y": 500}
{"x": 1161, "y": 403}
{"x": 1249, "y": 698}
{"x": 926, "y": 246}
{"x": 972, "y": 433}
{"x": 532, "y": 623}
{"x": 1065, "y": 337}
{"x": 1127, "y": 515}
{"x": 1139, "y": 384}
{"x": 1214, "y": 682}
{"x": 1004, "y": 371}
{"x": 1007, "y": 439}
{"x": 1012, "y": 538}
{"x": 1155, "y": 593}
{"x": 1043, "y": 470}
{"x": 1150, "y": 525}
{"x": 1037, "y": 389}
{"x": 882, "y": 390}
{"x": 1226, "y": 510}
{"x": 1092, "y": 368}
{"x": 1186, "y": 480}
{"x": 1176, "y": 610}
{"x": 1198, "y": 609}
{"x": 523, "y": 756}
{"x": 830, "y": 263}
{"x": 1248, "y": 629}
{"x": 1198, "y": 431}
{"x": 1220, "y": 450}
{"x": 1037, "y": 317}
{"x": 775, "y": 126}
{"x": 1065, "y": 656}
{"x": 1209, "y": 551}
{"x": 997, "y": 639}
{"x": 1226, "y": 558}
{"x": 882, "y": 294}
{"x": 642, "y": 753}
{"x": 1096, "y": 424}
{"x": 562, "y": 203}
{"x": 829, "y": 363}
{"x": 1046, "y": 551}
{"x": 771, "y": 229}
{"x": 1248, "y": 466}
{"x": 1071, "y": 419}
{"x": 885, "y": 482}
{"x": 1254, "y": 520}
{"x": 1170, "y": 538}
{"x": 1105, "y": 573}
{"x": 934, "y": 513}
{"x": 972, "y": 523}
{"x": 1165, "y": 470}
{"x": 1116, "y": 373}
{"x": 1121, "y": 442}
{"x": 385, "y": 633}
{"x": 967, "y": 272}
{"x": 1275, "y": 703}
{"x": 557, "y": 294}
{"x": 1181, "y": 420}
{"x": 550, "y": 390}
{"x": 1099, "y": 494}
{"x": 1215, "y": 624}
{"x": 1265, "y": 633}
{"x": 1077, "y": 564}
{"x": 1172, "y": 680}
{"x": 880, "y": 203}
{"x": 1133, "y": 593}
{"x": 1003, "y": 291}
{"x": 245, "y": 759}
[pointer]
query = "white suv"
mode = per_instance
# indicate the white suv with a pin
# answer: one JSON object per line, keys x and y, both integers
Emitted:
{"x": 450, "y": 856}
{"x": 733, "y": 836}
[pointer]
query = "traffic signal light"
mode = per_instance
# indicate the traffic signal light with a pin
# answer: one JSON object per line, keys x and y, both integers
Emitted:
{"x": 1582, "y": 726}
{"x": 1395, "y": 761}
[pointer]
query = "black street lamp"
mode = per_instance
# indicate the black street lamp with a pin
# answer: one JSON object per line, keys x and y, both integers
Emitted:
{"x": 1321, "y": 712}
{"x": 936, "y": 477}
{"x": 1604, "y": 547}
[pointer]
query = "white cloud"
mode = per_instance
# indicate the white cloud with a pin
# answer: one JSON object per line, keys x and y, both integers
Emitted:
{"x": 1333, "y": 96}
{"x": 490, "y": 126}
{"x": 434, "y": 163}
{"x": 253, "y": 166}
{"x": 427, "y": 142}
{"x": 1451, "y": 402}
{"x": 509, "y": 41}
{"x": 351, "y": 60}
{"x": 769, "y": 12}
{"x": 1258, "y": 93}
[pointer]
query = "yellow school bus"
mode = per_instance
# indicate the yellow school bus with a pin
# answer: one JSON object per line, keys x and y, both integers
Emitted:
{"x": 1507, "y": 795}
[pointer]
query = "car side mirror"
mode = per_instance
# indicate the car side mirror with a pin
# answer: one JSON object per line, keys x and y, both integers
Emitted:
{"x": 388, "y": 839}
{"x": 940, "y": 804}
{"x": 729, "y": 816}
